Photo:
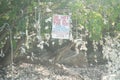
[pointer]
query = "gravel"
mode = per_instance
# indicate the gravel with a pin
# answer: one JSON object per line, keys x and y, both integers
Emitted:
{"x": 27, "y": 71}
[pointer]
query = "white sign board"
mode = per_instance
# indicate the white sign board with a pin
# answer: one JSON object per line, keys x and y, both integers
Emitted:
{"x": 61, "y": 27}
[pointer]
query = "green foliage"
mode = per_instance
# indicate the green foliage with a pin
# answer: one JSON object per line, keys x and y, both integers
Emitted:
{"x": 21, "y": 25}
{"x": 90, "y": 13}
{"x": 14, "y": 44}
{"x": 118, "y": 26}
{"x": 97, "y": 16}
{"x": 95, "y": 25}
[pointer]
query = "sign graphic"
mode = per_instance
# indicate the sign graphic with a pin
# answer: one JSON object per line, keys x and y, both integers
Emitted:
{"x": 61, "y": 27}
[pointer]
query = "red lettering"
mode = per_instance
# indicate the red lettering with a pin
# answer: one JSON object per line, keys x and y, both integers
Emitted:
{"x": 56, "y": 20}
{"x": 65, "y": 21}
{"x": 62, "y": 20}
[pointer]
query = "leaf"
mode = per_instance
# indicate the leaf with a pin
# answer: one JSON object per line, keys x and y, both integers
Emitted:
{"x": 118, "y": 27}
{"x": 14, "y": 44}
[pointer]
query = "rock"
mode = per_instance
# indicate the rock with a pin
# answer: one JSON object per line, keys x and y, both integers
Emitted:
{"x": 73, "y": 59}
{"x": 111, "y": 77}
{"x": 69, "y": 57}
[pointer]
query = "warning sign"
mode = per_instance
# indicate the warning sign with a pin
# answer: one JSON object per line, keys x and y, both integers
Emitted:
{"x": 61, "y": 26}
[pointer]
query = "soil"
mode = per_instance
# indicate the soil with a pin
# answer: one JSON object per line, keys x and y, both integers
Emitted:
{"x": 51, "y": 71}
{"x": 67, "y": 65}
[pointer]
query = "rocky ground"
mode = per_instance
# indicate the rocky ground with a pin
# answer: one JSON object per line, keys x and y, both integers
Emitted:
{"x": 69, "y": 68}
{"x": 42, "y": 67}
{"x": 51, "y": 71}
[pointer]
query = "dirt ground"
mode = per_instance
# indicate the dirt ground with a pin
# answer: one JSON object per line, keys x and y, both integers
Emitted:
{"x": 51, "y": 71}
